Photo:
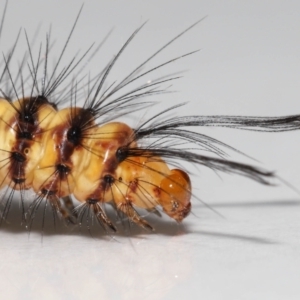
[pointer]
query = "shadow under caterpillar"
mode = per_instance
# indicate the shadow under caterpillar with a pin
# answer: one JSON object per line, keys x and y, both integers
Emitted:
{"x": 86, "y": 153}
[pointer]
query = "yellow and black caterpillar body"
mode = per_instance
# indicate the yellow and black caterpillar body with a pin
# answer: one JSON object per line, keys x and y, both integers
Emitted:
{"x": 86, "y": 153}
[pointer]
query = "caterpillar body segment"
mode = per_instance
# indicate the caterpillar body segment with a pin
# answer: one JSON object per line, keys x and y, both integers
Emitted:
{"x": 22, "y": 125}
{"x": 175, "y": 186}
{"x": 55, "y": 172}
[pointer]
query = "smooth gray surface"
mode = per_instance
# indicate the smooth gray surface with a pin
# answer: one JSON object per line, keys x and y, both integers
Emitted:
{"x": 249, "y": 65}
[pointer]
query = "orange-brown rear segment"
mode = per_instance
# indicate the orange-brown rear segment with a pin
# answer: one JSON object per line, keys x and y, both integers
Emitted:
{"x": 176, "y": 194}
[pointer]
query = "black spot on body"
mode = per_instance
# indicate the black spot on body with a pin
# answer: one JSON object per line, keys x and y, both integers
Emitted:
{"x": 82, "y": 120}
{"x": 122, "y": 154}
{"x": 92, "y": 201}
{"x": 25, "y": 135}
{"x": 108, "y": 179}
{"x": 74, "y": 135}
{"x": 18, "y": 157}
{"x": 41, "y": 100}
{"x": 63, "y": 170}
{"x": 18, "y": 180}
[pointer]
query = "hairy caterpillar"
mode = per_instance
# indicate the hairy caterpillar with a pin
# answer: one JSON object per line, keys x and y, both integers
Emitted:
{"x": 85, "y": 152}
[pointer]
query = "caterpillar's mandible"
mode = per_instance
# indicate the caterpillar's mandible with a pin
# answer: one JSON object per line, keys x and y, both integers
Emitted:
{"x": 86, "y": 153}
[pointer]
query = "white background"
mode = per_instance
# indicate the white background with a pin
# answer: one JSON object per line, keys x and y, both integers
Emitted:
{"x": 249, "y": 64}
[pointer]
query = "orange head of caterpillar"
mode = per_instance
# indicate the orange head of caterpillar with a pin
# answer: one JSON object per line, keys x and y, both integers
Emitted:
{"x": 175, "y": 194}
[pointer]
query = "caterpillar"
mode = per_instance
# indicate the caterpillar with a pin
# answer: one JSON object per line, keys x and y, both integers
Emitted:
{"x": 85, "y": 152}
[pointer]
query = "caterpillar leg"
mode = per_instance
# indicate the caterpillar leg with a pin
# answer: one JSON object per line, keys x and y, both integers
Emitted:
{"x": 57, "y": 206}
{"x": 64, "y": 212}
{"x": 68, "y": 203}
{"x": 99, "y": 213}
{"x": 67, "y": 210}
{"x": 126, "y": 207}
